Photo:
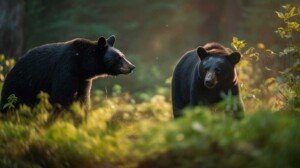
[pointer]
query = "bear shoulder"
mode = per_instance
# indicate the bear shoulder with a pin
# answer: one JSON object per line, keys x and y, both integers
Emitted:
{"x": 188, "y": 54}
{"x": 81, "y": 43}
{"x": 214, "y": 48}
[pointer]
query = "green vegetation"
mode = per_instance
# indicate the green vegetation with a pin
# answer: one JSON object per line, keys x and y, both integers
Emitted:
{"x": 124, "y": 130}
{"x": 124, "y": 134}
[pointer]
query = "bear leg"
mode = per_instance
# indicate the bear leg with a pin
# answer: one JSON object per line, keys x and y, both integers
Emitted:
{"x": 64, "y": 89}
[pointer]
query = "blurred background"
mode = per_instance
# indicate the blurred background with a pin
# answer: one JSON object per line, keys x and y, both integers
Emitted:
{"x": 131, "y": 123}
{"x": 152, "y": 34}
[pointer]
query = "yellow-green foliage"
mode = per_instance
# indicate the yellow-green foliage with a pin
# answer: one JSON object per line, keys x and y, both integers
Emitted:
{"x": 122, "y": 132}
{"x": 280, "y": 90}
{"x": 106, "y": 137}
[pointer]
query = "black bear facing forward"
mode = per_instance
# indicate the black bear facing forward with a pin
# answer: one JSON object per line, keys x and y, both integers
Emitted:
{"x": 63, "y": 70}
{"x": 203, "y": 75}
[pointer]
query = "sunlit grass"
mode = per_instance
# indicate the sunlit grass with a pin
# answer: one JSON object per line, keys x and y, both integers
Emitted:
{"x": 124, "y": 134}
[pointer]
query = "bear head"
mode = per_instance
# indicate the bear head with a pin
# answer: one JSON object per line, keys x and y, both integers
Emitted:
{"x": 217, "y": 69}
{"x": 101, "y": 58}
{"x": 113, "y": 60}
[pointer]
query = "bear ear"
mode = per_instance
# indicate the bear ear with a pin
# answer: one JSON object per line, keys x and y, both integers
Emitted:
{"x": 111, "y": 40}
{"x": 234, "y": 58}
{"x": 202, "y": 53}
{"x": 102, "y": 42}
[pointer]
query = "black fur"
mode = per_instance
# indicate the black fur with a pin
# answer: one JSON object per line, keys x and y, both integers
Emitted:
{"x": 202, "y": 75}
{"x": 63, "y": 70}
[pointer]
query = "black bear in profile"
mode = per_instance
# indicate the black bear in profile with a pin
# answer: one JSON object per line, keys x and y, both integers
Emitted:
{"x": 63, "y": 70}
{"x": 202, "y": 75}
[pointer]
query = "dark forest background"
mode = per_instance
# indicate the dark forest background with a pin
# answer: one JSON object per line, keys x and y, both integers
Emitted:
{"x": 153, "y": 34}
{"x": 130, "y": 122}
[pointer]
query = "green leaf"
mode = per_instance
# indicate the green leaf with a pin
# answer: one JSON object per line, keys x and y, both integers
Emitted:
{"x": 280, "y": 15}
{"x": 292, "y": 12}
{"x": 238, "y": 44}
{"x": 250, "y": 50}
{"x": 270, "y": 52}
{"x": 255, "y": 55}
{"x": 293, "y": 25}
{"x": 12, "y": 99}
{"x": 268, "y": 69}
{"x": 7, "y": 105}
{"x": 287, "y": 6}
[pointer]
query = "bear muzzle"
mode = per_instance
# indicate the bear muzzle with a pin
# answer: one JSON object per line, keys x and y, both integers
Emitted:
{"x": 127, "y": 67}
{"x": 210, "y": 80}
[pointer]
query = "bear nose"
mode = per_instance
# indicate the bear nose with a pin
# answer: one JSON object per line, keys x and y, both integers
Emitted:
{"x": 131, "y": 67}
{"x": 209, "y": 83}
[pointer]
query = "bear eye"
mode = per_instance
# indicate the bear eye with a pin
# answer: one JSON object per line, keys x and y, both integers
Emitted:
{"x": 218, "y": 70}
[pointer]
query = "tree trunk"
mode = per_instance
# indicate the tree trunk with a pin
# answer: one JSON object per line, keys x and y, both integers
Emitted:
{"x": 231, "y": 18}
{"x": 221, "y": 19}
{"x": 11, "y": 27}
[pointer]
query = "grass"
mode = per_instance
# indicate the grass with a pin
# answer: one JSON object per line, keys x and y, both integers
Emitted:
{"x": 119, "y": 132}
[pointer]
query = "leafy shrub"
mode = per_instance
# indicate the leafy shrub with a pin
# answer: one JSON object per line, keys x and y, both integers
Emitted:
{"x": 122, "y": 132}
{"x": 142, "y": 135}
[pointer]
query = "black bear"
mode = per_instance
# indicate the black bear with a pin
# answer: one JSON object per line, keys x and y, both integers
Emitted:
{"x": 203, "y": 75}
{"x": 63, "y": 70}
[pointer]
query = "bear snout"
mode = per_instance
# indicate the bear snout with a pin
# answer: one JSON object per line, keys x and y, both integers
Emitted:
{"x": 127, "y": 67}
{"x": 210, "y": 80}
{"x": 131, "y": 67}
{"x": 209, "y": 84}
